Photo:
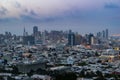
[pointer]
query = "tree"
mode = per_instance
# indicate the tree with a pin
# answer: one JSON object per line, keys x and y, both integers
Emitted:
{"x": 30, "y": 73}
{"x": 100, "y": 78}
{"x": 41, "y": 71}
{"x": 9, "y": 78}
{"x": 15, "y": 70}
{"x": 82, "y": 73}
{"x": 99, "y": 73}
{"x": 96, "y": 54}
{"x": 66, "y": 76}
{"x": 5, "y": 61}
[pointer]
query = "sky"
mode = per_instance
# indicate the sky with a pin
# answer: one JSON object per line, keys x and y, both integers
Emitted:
{"x": 82, "y": 16}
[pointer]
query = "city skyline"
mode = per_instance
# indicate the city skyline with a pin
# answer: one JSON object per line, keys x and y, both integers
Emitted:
{"x": 81, "y": 16}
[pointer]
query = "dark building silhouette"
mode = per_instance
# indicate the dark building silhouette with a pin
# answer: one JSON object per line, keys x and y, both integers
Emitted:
{"x": 25, "y": 33}
{"x": 107, "y": 33}
{"x": 103, "y": 34}
{"x": 35, "y": 30}
{"x": 28, "y": 40}
{"x": 99, "y": 35}
{"x": 90, "y": 39}
{"x": 71, "y": 38}
{"x": 78, "y": 39}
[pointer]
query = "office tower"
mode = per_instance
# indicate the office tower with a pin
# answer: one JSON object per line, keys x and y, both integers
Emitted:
{"x": 107, "y": 34}
{"x": 25, "y": 33}
{"x": 103, "y": 34}
{"x": 28, "y": 40}
{"x": 35, "y": 31}
{"x": 91, "y": 39}
{"x": 99, "y": 35}
{"x": 43, "y": 38}
{"x": 78, "y": 39}
{"x": 71, "y": 38}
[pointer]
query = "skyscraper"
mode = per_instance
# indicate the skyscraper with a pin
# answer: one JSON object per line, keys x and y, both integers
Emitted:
{"x": 35, "y": 31}
{"x": 71, "y": 38}
{"x": 43, "y": 38}
{"x": 24, "y": 32}
{"x": 107, "y": 33}
{"x": 78, "y": 39}
{"x": 28, "y": 40}
{"x": 99, "y": 35}
{"x": 103, "y": 34}
{"x": 90, "y": 39}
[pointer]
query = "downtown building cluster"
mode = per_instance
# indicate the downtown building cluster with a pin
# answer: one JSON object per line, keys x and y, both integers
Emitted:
{"x": 59, "y": 55}
{"x": 70, "y": 38}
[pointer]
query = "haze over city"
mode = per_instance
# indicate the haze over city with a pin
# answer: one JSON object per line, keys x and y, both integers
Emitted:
{"x": 83, "y": 16}
{"x": 59, "y": 39}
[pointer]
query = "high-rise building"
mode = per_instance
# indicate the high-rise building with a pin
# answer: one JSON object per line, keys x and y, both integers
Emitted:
{"x": 24, "y": 32}
{"x": 35, "y": 30}
{"x": 99, "y": 35}
{"x": 43, "y": 38}
{"x": 90, "y": 39}
{"x": 78, "y": 39}
{"x": 28, "y": 40}
{"x": 103, "y": 34}
{"x": 107, "y": 33}
{"x": 71, "y": 38}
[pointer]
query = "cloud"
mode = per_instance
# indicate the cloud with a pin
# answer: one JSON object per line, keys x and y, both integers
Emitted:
{"x": 12, "y": 9}
{"x": 3, "y": 11}
{"x": 17, "y": 5}
{"x": 111, "y": 6}
{"x": 49, "y": 8}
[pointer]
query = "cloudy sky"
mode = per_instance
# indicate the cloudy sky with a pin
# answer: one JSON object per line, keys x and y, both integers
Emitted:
{"x": 83, "y": 16}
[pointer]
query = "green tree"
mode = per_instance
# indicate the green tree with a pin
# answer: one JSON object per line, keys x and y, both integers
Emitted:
{"x": 30, "y": 73}
{"x": 66, "y": 76}
{"x": 15, "y": 70}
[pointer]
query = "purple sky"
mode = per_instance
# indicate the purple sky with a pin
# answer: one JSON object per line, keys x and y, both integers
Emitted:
{"x": 83, "y": 16}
